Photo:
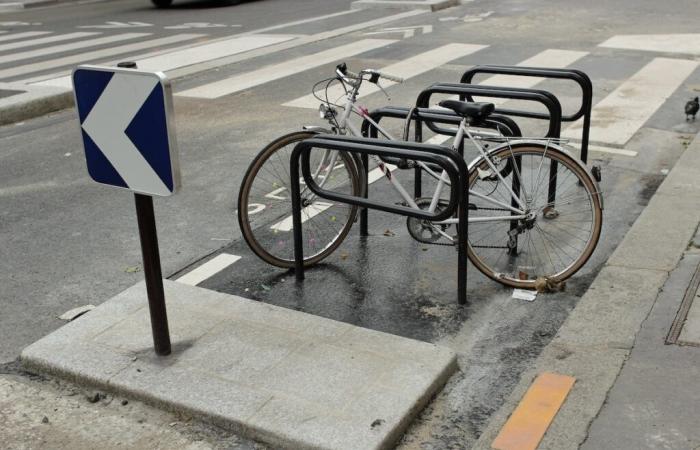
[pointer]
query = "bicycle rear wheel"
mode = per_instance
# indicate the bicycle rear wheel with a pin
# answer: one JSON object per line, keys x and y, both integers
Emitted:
{"x": 564, "y": 223}
{"x": 265, "y": 207}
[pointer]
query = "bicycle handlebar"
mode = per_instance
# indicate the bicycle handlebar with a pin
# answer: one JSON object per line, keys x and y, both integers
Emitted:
{"x": 342, "y": 70}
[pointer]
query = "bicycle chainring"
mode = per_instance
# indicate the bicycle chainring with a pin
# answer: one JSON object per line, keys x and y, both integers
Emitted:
{"x": 426, "y": 231}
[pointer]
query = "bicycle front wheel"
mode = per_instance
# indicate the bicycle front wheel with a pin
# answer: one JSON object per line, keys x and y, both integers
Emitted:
{"x": 265, "y": 206}
{"x": 563, "y": 223}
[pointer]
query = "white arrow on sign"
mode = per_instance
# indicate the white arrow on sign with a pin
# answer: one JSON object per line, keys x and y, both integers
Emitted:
{"x": 106, "y": 125}
{"x": 407, "y": 31}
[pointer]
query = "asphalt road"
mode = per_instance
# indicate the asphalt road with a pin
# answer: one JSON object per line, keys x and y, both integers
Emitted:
{"x": 66, "y": 242}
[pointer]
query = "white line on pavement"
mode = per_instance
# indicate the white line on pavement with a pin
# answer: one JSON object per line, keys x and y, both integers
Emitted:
{"x": 88, "y": 57}
{"x": 301, "y": 22}
{"x": 27, "y": 34}
{"x": 318, "y": 207}
{"x": 407, "y": 68}
{"x": 667, "y": 43}
{"x": 276, "y": 71}
{"x": 68, "y": 47}
{"x": 45, "y": 40}
{"x": 295, "y": 43}
{"x": 307, "y": 213}
{"x": 209, "y": 268}
{"x": 187, "y": 56}
{"x": 617, "y": 117}
{"x": 613, "y": 151}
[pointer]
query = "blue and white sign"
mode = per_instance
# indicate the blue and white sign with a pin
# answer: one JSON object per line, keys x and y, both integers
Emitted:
{"x": 124, "y": 118}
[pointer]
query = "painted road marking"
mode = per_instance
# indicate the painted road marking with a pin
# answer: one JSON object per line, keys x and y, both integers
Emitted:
{"x": 301, "y": 22}
{"x": 90, "y": 56}
{"x": 291, "y": 44}
{"x": 613, "y": 151}
{"x": 533, "y": 415}
{"x": 208, "y": 269}
{"x": 196, "y": 54}
{"x": 27, "y": 34}
{"x": 287, "y": 68}
{"x": 406, "y": 69}
{"x": 667, "y": 43}
{"x": 554, "y": 58}
{"x": 307, "y": 213}
{"x": 318, "y": 207}
{"x": 45, "y": 40}
{"x": 207, "y": 52}
{"x": 617, "y": 117}
{"x": 68, "y": 47}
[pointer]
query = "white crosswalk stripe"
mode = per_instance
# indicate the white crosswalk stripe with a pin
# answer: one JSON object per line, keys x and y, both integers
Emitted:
{"x": 408, "y": 68}
{"x": 26, "y": 34}
{"x": 45, "y": 40}
{"x": 69, "y": 47}
{"x": 617, "y": 117}
{"x": 666, "y": 43}
{"x": 165, "y": 61}
{"x": 287, "y": 68}
{"x": 93, "y": 55}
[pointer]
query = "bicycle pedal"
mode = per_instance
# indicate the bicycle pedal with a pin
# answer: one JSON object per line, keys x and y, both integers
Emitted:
{"x": 595, "y": 170}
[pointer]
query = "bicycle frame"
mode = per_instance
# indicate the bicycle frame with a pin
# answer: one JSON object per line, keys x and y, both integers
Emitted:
{"x": 346, "y": 126}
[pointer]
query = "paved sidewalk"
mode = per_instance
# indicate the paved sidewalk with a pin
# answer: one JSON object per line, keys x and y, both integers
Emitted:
{"x": 631, "y": 391}
{"x": 654, "y": 403}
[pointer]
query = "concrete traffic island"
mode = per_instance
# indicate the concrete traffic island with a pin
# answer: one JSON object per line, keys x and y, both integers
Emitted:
{"x": 284, "y": 377}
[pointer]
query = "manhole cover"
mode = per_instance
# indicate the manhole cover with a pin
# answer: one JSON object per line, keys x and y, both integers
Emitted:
{"x": 686, "y": 326}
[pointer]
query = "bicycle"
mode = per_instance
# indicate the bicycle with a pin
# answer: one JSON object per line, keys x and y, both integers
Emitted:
{"x": 518, "y": 232}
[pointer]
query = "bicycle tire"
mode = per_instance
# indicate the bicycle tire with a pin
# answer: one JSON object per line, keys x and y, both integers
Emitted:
{"x": 277, "y": 247}
{"x": 525, "y": 265}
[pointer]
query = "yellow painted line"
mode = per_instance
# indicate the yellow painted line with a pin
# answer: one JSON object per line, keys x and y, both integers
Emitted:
{"x": 528, "y": 423}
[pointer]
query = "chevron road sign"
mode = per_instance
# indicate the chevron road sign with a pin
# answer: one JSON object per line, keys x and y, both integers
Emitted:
{"x": 124, "y": 118}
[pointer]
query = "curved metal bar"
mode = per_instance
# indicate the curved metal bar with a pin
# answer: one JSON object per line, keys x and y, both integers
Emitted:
{"x": 401, "y": 151}
{"x": 574, "y": 75}
{"x": 450, "y": 161}
{"x": 463, "y": 90}
{"x": 579, "y": 77}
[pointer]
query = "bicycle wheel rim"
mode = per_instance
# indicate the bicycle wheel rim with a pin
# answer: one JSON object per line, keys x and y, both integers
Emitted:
{"x": 266, "y": 186}
{"x": 554, "y": 248}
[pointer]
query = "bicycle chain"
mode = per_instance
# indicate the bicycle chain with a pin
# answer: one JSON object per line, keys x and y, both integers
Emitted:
{"x": 453, "y": 243}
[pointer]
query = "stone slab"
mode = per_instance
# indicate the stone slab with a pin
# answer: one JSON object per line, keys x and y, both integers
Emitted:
{"x": 287, "y": 378}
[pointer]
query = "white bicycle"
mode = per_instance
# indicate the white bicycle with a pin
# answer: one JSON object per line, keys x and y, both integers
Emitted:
{"x": 518, "y": 231}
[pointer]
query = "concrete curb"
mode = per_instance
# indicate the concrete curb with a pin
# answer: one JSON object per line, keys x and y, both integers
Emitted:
{"x": 595, "y": 341}
{"x": 14, "y": 6}
{"x": 432, "y": 5}
{"x": 281, "y": 376}
{"x": 32, "y": 102}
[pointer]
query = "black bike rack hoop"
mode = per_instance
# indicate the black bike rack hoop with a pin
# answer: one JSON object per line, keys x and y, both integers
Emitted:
{"x": 574, "y": 75}
{"x": 503, "y": 124}
{"x": 547, "y": 99}
{"x": 451, "y": 162}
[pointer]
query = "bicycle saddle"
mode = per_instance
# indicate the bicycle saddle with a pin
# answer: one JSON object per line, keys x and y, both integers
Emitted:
{"x": 475, "y": 111}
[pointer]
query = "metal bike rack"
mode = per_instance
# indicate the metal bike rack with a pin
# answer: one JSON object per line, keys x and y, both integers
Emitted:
{"x": 452, "y": 163}
{"x": 467, "y": 91}
{"x": 577, "y": 76}
{"x": 505, "y": 124}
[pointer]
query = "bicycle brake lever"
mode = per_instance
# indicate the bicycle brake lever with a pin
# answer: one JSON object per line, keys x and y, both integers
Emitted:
{"x": 385, "y": 92}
